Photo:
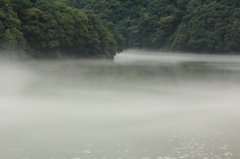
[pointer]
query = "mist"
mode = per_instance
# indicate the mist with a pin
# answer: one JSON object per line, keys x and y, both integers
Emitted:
{"x": 141, "y": 105}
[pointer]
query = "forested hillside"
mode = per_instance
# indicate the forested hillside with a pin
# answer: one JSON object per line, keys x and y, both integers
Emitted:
{"x": 101, "y": 28}
{"x": 183, "y": 25}
{"x": 50, "y": 29}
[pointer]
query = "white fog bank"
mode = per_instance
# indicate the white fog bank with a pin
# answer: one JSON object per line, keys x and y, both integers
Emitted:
{"x": 132, "y": 107}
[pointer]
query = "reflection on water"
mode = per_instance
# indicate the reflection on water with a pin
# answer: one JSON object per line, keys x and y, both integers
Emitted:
{"x": 140, "y": 106}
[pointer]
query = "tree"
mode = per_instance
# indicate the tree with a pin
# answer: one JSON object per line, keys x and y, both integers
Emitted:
{"x": 209, "y": 26}
{"x": 10, "y": 37}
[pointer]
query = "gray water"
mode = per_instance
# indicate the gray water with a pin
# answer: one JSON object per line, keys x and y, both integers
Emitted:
{"x": 142, "y": 105}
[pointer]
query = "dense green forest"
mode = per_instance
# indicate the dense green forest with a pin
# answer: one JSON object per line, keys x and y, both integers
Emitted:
{"x": 102, "y": 28}
{"x": 50, "y": 29}
{"x": 181, "y": 25}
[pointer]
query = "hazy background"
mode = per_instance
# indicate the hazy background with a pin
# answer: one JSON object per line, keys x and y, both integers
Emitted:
{"x": 141, "y": 105}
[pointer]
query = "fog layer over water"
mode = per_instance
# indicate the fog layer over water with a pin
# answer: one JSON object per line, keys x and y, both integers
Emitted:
{"x": 142, "y": 105}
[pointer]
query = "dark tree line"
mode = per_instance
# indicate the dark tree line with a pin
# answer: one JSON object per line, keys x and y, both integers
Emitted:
{"x": 50, "y": 29}
{"x": 101, "y": 28}
{"x": 181, "y": 25}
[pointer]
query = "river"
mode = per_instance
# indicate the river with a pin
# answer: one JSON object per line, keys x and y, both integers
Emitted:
{"x": 141, "y": 105}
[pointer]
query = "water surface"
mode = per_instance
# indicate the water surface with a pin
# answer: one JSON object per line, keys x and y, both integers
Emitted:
{"x": 142, "y": 105}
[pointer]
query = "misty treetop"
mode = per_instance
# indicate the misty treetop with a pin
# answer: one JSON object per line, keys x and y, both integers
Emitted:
{"x": 102, "y": 28}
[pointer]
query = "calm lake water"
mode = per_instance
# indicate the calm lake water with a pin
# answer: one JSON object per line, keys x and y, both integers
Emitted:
{"x": 142, "y": 105}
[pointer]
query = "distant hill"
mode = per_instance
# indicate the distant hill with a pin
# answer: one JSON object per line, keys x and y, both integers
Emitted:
{"x": 50, "y": 29}
{"x": 102, "y": 28}
{"x": 211, "y": 26}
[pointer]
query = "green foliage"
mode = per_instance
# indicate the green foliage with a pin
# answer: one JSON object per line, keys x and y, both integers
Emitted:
{"x": 50, "y": 29}
{"x": 210, "y": 26}
{"x": 182, "y": 25}
{"x": 10, "y": 37}
{"x": 137, "y": 20}
{"x": 20, "y": 7}
{"x": 102, "y": 28}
